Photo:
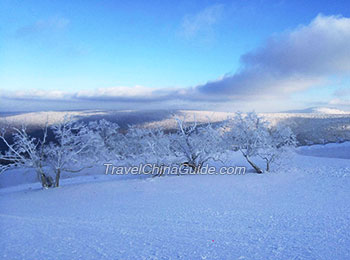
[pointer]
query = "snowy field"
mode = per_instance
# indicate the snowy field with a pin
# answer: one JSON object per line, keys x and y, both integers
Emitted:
{"x": 300, "y": 212}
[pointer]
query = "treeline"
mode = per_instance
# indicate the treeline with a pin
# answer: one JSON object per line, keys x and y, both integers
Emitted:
{"x": 79, "y": 145}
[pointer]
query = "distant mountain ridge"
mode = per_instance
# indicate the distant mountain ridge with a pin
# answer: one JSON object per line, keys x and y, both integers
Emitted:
{"x": 319, "y": 110}
{"x": 317, "y": 125}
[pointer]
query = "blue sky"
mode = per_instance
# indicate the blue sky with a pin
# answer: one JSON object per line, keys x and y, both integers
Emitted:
{"x": 165, "y": 54}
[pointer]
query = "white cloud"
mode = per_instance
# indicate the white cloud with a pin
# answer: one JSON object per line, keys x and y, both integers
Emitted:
{"x": 290, "y": 62}
{"x": 137, "y": 91}
{"x": 52, "y": 24}
{"x": 340, "y": 102}
{"x": 201, "y": 22}
{"x": 35, "y": 94}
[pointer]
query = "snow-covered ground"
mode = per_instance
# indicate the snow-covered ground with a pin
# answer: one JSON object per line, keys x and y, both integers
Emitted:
{"x": 331, "y": 150}
{"x": 164, "y": 118}
{"x": 300, "y": 212}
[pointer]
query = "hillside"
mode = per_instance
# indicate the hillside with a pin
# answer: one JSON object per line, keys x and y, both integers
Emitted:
{"x": 310, "y": 128}
{"x": 299, "y": 212}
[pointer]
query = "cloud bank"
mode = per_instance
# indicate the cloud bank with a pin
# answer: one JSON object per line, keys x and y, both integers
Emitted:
{"x": 285, "y": 64}
{"x": 290, "y": 62}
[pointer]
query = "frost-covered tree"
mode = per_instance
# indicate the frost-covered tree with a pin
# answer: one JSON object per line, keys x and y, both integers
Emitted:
{"x": 253, "y": 137}
{"x": 132, "y": 145}
{"x": 277, "y": 140}
{"x": 73, "y": 149}
{"x": 247, "y": 134}
{"x": 195, "y": 144}
{"x": 26, "y": 152}
{"x": 147, "y": 146}
{"x": 158, "y": 149}
{"x": 108, "y": 138}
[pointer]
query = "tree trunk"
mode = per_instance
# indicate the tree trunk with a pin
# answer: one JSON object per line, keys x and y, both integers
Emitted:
{"x": 198, "y": 168}
{"x": 256, "y": 168}
{"x": 161, "y": 171}
{"x": 46, "y": 181}
{"x": 43, "y": 181}
{"x": 58, "y": 176}
{"x": 267, "y": 166}
{"x": 194, "y": 167}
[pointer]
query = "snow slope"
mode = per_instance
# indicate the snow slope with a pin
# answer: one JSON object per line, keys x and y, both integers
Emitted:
{"x": 301, "y": 212}
{"x": 331, "y": 150}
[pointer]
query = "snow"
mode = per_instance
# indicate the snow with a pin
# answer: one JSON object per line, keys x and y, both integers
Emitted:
{"x": 163, "y": 118}
{"x": 43, "y": 117}
{"x": 331, "y": 150}
{"x": 300, "y": 212}
{"x": 315, "y": 126}
{"x": 320, "y": 110}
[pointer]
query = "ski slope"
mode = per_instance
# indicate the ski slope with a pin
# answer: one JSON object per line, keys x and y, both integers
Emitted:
{"x": 300, "y": 212}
